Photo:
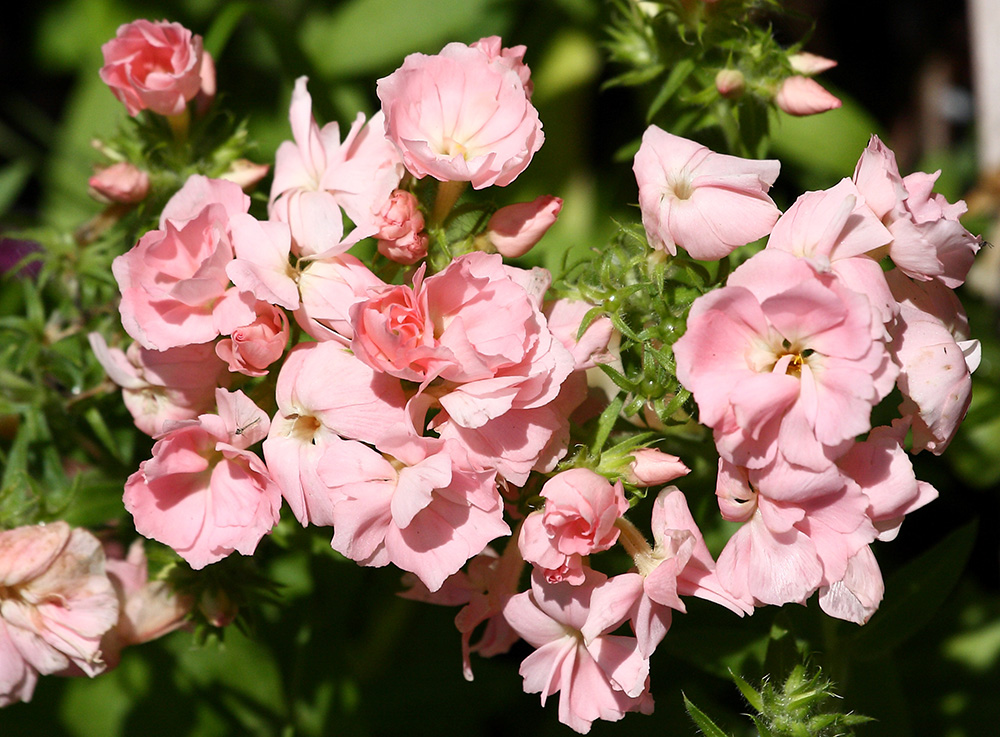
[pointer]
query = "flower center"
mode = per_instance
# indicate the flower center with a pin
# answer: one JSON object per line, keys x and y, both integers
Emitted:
{"x": 679, "y": 184}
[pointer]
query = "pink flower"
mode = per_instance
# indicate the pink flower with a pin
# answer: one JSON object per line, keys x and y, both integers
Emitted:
{"x": 175, "y": 290}
{"x": 512, "y": 58}
{"x": 324, "y": 392}
{"x": 597, "y": 675}
{"x": 122, "y": 182}
{"x": 329, "y": 288}
{"x": 707, "y": 203}
{"x": 783, "y": 357}
{"x": 56, "y": 603}
{"x": 401, "y": 224}
{"x": 928, "y": 241}
{"x": 250, "y": 349}
{"x": 800, "y": 95}
{"x": 462, "y": 115}
{"x": 651, "y": 467}
{"x": 474, "y": 337}
{"x": 578, "y": 519}
{"x": 148, "y": 609}
{"x": 515, "y": 229}
{"x": 679, "y": 564}
{"x": 787, "y": 548}
{"x": 163, "y": 386}
{"x": 318, "y": 179}
{"x": 936, "y": 358}
{"x": 416, "y": 504}
{"x": 202, "y": 493}
{"x": 154, "y": 66}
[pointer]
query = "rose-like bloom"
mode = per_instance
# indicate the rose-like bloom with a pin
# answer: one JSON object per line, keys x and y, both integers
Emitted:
{"x": 153, "y": 66}
{"x": 800, "y": 96}
{"x": 515, "y": 229}
{"x": 122, "y": 182}
{"x": 329, "y": 288}
{"x": 462, "y": 115}
{"x": 250, "y": 349}
{"x": 783, "y": 361}
{"x": 175, "y": 290}
{"x": 709, "y": 204}
{"x": 163, "y": 386}
{"x": 56, "y": 603}
{"x": 597, "y": 675}
{"x": 202, "y": 493}
{"x": 474, "y": 338}
{"x": 581, "y": 508}
{"x": 401, "y": 224}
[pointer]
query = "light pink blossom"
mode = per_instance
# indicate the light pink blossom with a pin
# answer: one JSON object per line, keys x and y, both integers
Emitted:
{"x": 462, "y": 115}
{"x": 175, "y": 290}
{"x": 597, "y": 675}
{"x": 417, "y": 504}
{"x": 202, "y": 493}
{"x": 329, "y": 288}
{"x": 578, "y": 519}
{"x": 783, "y": 357}
{"x": 936, "y": 357}
{"x": 474, "y": 338}
{"x": 707, "y": 203}
{"x": 56, "y": 603}
{"x": 318, "y": 179}
{"x": 163, "y": 386}
{"x": 928, "y": 241}
{"x": 324, "y": 392}
{"x": 153, "y": 65}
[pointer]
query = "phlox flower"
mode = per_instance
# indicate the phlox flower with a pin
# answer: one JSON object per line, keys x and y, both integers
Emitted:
{"x": 475, "y": 340}
{"x": 679, "y": 564}
{"x": 324, "y": 392}
{"x": 928, "y": 241}
{"x": 318, "y": 179}
{"x": 936, "y": 357}
{"x": 413, "y": 502}
{"x": 174, "y": 285}
{"x": 56, "y": 603}
{"x": 598, "y": 675}
{"x": 463, "y": 114}
{"x": 578, "y": 519}
{"x": 783, "y": 358}
{"x": 202, "y": 493}
{"x": 709, "y": 204}
{"x": 163, "y": 386}
{"x": 787, "y": 548}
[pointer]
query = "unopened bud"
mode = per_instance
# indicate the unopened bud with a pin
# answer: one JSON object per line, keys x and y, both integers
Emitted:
{"x": 730, "y": 82}
{"x": 804, "y": 96}
{"x": 515, "y": 229}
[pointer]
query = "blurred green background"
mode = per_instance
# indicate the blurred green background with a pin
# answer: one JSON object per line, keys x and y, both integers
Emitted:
{"x": 340, "y": 653}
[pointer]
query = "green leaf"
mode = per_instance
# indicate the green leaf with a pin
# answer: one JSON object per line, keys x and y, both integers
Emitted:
{"x": 706, "y": 725}
{"x": 13, "y": 177}
{"x": 914, "y": 593}
{"x": 677, "y": 77}
{"x": 749, "y": 692}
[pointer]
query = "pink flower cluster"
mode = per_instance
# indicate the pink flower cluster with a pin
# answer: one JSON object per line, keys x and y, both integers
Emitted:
{"x": 420, "y": 410}
{"x": 67, "y": 608}
{"x": 788, "y": 359}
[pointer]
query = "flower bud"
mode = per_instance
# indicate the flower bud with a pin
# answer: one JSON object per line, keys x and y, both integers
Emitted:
{"x": 515, "y": 229}
{"x": 122, "y": 182}
{"x": 401, "y": 225}
{"x": 246, "y": 173}
{"x": 651, "y": 467}
{"x": 810, "y": 64}
{"x": 730, "y": 82}
{"x": 804, "y": 96}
